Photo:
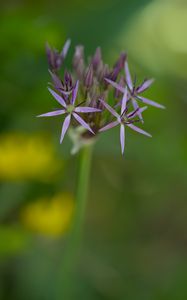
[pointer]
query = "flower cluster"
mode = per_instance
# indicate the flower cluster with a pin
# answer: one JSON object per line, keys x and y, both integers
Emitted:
{"x": 95, "y": 96}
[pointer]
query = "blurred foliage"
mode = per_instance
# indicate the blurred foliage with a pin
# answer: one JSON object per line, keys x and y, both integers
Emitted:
{"x": 13, "y": 240}
{"x": 157, "y": 35}
{"x": 135, "y": 228}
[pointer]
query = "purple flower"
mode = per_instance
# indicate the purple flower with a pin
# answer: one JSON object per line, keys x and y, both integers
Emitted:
{"x": 133, "y": 91}
{"x": 124, "y": 119}
{"x": 56, "y": 59}
{"x": 94, "y": 79}
{"x": 70, "y": 110}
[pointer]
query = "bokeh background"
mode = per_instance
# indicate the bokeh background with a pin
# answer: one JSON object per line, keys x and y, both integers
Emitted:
{"x": 135, "y": 236}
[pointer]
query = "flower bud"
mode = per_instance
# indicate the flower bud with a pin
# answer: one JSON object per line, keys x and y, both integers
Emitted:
{"x": 88, "y": 80}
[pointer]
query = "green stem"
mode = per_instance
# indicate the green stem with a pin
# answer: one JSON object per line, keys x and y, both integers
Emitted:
{"x": 82, "y": 191}
{"x": 75, "y": 235}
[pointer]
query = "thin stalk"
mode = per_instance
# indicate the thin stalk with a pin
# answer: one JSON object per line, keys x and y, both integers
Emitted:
{"x": 73, "y": 244}
{"x": 82, "y": 191}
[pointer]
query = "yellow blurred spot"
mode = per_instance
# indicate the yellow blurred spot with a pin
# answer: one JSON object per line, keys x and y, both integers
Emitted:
{"x": 51, "y": 217}
{"x": 26, "y": 157}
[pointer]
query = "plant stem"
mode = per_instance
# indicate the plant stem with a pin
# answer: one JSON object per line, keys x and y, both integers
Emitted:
{"x": 75, "y": 235}
{"x": 82, "y": 191}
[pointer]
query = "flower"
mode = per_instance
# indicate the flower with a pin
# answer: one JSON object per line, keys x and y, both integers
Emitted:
{"x": 124, "y": 119}
{"x": 70, "y": 110}
{"x": 135, "y": 91}
{"x": 91, "y": 91}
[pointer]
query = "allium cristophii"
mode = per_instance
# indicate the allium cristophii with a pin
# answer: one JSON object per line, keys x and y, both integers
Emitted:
{"x": 86, "y": 97}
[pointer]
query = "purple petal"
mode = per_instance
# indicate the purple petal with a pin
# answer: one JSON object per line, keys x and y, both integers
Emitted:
{"x": 115, "y": 85}
{"x": 128, "y": 76}
{"x": 136, "y": 112}
{"x": 56, "y": 80}
{"x": 53, "y": 113}
{"x": 137, "y": 108}
{"x": 145, "y": 85}
{"x": 74, "y": 92}
{"x": 139, "y": 130}
{"x": 124, "y": 101}
{"x": 121, "y": 61}
{"x": 122, "y": 137}
{"x": 65, "y": 48}
{"x": 65, "y": 127}
{"x": 151, "y": 102}
{"x": 50, "y": 55}
{"x": 80, "y": 109}
{"x": 107, "y": 106}
{"x": 82, "y": 122}
{"x": 57, "y": 97}
{"x": 117, "y": 93}
{"x": 109, "y": 126}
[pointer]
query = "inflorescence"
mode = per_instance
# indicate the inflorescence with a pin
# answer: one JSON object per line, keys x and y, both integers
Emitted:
{"x": 86, "y": 97}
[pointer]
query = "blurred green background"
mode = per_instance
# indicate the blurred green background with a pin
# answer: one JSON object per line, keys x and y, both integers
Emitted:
{"x": 135, "y": 237}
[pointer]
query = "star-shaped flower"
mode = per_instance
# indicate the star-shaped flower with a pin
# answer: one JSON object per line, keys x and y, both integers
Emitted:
{"x": 124, "y": 119}
{"x": 133, "y": 91}
{"x": 70, "y": 110}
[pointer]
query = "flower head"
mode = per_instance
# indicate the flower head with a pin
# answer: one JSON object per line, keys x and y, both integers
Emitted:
{"x": 84, "y": 94}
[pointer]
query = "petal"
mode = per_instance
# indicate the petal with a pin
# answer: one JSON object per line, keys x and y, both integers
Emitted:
{"x": 124, "y": 101}
{"x": 136, "y": 112}
{"x": 50, "y": 54}
{"x": 136, "y": 107}
{"x": 115, "y": 85}
{"x": 122, "y": 137}
{"x": 80, "y": 109}
{"x": 150, "y": 102}
{"x": 145, "y": 85}
{"x": 56, "y": 80}
{"x": 65, "y": 48}
{"x": 53, "y": 113}
{"x": 128, "y": 76}
{"x": 82, "y": 122}
{"x": 58, "y": 98}
{"x": 65, "y": 127}
{"x": 135, "y": 128}
{"x": 74, "y": 92}
{"x": 109, "y": 126}
{"x": 111, "y": 110}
